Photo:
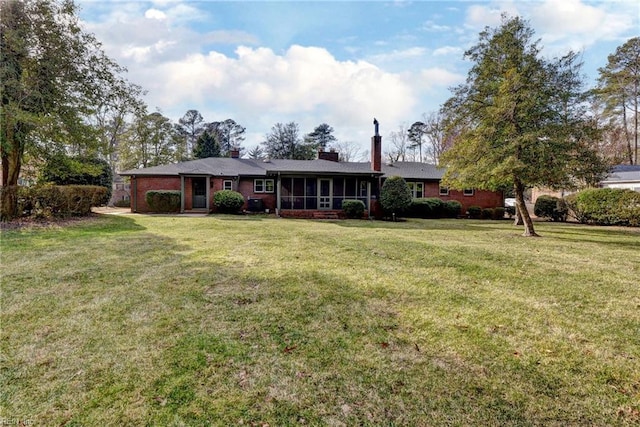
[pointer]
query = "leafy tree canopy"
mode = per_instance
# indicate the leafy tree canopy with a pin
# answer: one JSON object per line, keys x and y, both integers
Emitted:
{"x": 519, "y": 119}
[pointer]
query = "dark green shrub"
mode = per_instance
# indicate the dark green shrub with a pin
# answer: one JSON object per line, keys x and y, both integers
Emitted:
{"x": 59, "y": 200}
{"x": 474, "y": 212}
{"x": 487, "y": 213}
{"x": 228, "y": 201}
{"x": 510, "y": 211}
{"x": 550, "y": 207}
{"x": 124, "y": 203}
{"x": 61, "y": 169}
{"x": 498, "y": 212}
{"x": 429, "y": 207}
{"x": 163, "y": 200}
{"x": 452, "y": 208}
{"x": 606, "y": 206}
{"x": 395, "y": 196}
{"x": 353, "y": 208}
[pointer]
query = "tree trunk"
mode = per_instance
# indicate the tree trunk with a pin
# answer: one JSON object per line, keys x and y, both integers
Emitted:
{"x": 11, "y": 153}
{"x": 521, "y": 208}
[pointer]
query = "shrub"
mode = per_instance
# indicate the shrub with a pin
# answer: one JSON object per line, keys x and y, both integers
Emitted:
{"x": 163, "y": 200}
{"x": 510, "y": 211}
{"x": 498, "y": 212}
{"x": 550, "y": 207}
{"x": 605, "y": 206}
{"x": 61, "y": 169}
{"x": 474, "y": 212}
{"x": 59, "y": 200}
{"x": 395, "y": 196}
{"x": 123, "y": 203}
{"x": 353, "y": 208}
{"x": 228, "y": 201}
{"x": 487, "y": 213}
{"x": 452, "y": 208}
{"x": 429, "y": 207}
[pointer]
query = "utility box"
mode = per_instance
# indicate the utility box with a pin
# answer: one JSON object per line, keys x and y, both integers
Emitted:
{"x": 255, "y": 205}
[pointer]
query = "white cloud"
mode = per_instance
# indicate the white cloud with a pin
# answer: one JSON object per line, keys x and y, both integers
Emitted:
{"x": 435, "y": 78}
{"x": 155, "y": 14}
{"x": 398, "y": 55}
{"x": 447, "y": 50}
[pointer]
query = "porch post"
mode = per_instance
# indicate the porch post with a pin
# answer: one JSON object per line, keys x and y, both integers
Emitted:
{"x": 181, "y": 193}
{"x": 208, "y": 179}
{"x": 369, "y": 197}
{"x": 278, "y": 206}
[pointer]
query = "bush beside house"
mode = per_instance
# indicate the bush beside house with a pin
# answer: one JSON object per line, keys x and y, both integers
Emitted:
{"x": 228, "y": 201}
{"x": 353, "y": 208}
{"x": 550, "y": 207}
{"x": 605, "y": 206}
{"x": 395, "y": 196}
{"x": 163, "y": 201}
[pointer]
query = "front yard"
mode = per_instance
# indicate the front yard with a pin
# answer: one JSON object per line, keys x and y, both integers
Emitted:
{"x": 223, "y": 320}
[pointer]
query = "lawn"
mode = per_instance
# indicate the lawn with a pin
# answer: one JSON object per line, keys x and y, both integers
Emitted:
{"x": 222, "y": 320}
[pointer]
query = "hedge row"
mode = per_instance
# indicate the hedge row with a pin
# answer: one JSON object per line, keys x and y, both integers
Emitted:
{"x": 605, "y": 206}
{"x": 60, "y": 201}
{"x": 163, "y": 200}
{"x": 431, "y": 207}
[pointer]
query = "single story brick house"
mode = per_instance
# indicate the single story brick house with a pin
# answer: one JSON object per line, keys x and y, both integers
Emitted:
{"x": 295, "y": 188}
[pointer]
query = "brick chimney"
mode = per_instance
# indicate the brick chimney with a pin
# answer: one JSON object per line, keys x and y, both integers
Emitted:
{"x": 331, "y": 155}
{"x": 376, "y": 149}
{"x": 235, "y": 153}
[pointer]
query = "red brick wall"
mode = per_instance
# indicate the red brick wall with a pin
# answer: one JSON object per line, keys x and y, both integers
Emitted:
{"x": 141, "y": 184}
{"x": 482, "y": 198}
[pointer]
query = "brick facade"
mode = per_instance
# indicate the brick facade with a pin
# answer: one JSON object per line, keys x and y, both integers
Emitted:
{"x": 481, "y": 198}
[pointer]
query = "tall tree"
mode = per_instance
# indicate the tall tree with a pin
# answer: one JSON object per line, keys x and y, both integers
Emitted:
{"x": 619, "y": 87}
{"x": 190, "y": 126}
{"x": 256, "y": 153}
{"x": 150, "y": 141}
{"x": 207, "y": 145}
{"x": 53, "y": 76}
{"x": 228, "y": 133}
{"x": 321, "y": 137}
{"x": 415, "y": 134}
{"x": 284, "y": 142}
{"x": 348, "y": 151}
{"x": 518, "y": 119}
{"x": 400, "y": 145}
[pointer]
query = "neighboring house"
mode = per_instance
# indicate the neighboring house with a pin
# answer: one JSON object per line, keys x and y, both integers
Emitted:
{"x": 120, "y": 190}
{"x": 295, "y": 188}
{"x": 623, "y": 176}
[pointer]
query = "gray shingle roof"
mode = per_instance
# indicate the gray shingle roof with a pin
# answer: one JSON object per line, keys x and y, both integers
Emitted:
{"x": 225, "y": 166}
{"x": 623, "y": 173}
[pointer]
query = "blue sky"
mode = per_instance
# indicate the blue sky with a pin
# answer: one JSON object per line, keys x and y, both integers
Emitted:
{"x": 334, "y": 62}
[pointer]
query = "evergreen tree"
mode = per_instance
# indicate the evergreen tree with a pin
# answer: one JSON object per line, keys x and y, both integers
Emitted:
{"x": 206, "y": 146}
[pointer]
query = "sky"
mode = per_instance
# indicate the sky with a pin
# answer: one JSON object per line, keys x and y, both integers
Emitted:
{"x": 336, "y": 62}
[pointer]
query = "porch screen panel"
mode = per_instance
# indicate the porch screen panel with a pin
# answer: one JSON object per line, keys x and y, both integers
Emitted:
{"x": 298, "y": 193}
{"x": 350, "y": 187}
{"x": 285, "y": 193}
{"x": 311, "y": 200}
{"x": 338, "y": 192}
{"x": 363, "y": 193}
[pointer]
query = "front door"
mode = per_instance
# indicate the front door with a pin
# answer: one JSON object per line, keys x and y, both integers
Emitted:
{"x": 199, "y": 193}
{"x": 324, "y": 193}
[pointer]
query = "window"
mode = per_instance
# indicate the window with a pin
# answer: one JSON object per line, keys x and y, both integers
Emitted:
{"x": 227, "y": 184}
{"x": 417, "y": 189}
{"x": 444, "y": 191}
{"x": 263, "y": 186}
{"x": 467, "y": 192}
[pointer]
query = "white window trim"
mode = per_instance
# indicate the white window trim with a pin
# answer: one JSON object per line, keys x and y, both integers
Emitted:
{"x": 469, "y": 192}
{"x": 230, "y": 184}
{"x": 445, "y": 192}
{"x": 263, "y": 183}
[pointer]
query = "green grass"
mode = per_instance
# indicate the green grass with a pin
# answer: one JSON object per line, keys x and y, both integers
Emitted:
{"x": 221, "y": 320}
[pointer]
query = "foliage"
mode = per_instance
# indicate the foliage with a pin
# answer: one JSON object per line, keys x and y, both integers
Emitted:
{"x": 228, "y": 201}
{"x": 60, "y": 201}
{"x": 395, "y": 196}
{"x": 474, "y": 212}
{"x": 619, "y": 90}
{"x": 429, "y": 207}
{"x": 321, "y": 137}
{"x": 122, "y": 203}
{"x": 151, "y": 140}
{"x": 510, "y": 211}
{"x": 519, "y": 120}
{"x": 190, "y": 126}
{"x": 163, "y": 200}
{"x": 605, "y": 206}
{"x": 207, "y": 145}
{"x": 256, "y": 153}
{"x": 54, "y": 77}
{"x": 229, "y": 135}
{"x": 452, "y": 208}
{"x": 61, "y": 169}
{"x": 498, "y": 212}
{"x": 550, "y": 207}
{"x": 284, "y": 142}
{"x": 353, "y": 208}
{"x": 487, "y": 213}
